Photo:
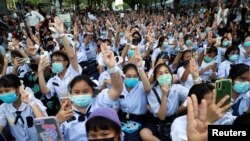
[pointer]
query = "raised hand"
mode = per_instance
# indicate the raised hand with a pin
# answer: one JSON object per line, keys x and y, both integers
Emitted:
{"x": 136, "y": 59}
{"x": 32, "y": 50}
{"x": 193, "y": 68}
{"x": 43, "y": 63}
{"x": 18, "y": 62}
{"x": 108, "y": 56}
{"x": 196, "y": 120}
{"x": 58, "y": 25}
{"x": 165, "y": 89}
{"x": 217, "y": 110}
{"x": 64, "y": 115}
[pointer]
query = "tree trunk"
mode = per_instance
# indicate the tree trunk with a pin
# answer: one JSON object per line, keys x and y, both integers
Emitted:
{"x": 3, "y": 7}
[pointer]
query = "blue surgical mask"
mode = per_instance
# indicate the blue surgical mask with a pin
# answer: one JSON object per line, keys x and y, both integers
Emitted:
{"x": 165, "y": 79}
{"x": 208, "y": 59}
{"x": 131, "y": 82}
{"x": 57, "y": 67}
{"x": 246, "y": 44}
{"x": 9, "y": 97}
{"x": 104, "y": 33}
{"x": 82, "y": 100}
{"x": 165, "y": 44}
{"x": 122, "y": 34}
{"x": 241, "y": 87}
{"x": 225, "y": 43}
{"x": 188, "y": 42}
{"x": 234, "y": 57}
{"x": 131, "y": 53}
{"x": 208, "y": 29}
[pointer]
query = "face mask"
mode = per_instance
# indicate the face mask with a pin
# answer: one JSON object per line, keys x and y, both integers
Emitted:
{"x": 165, "y": 79}
{"x": 131, "y": 53}
{"x": 247, "y": 44}
{"x": 131, "y": 82}
{"x": 241, "y": 87}
{"x": 9, "y": 97}
{"x": 208, "y": 59}
{"x": 122, "y": 34}
{"x": 104, "y": 33}
{"x": 107, "y": 139}
{"x": 225, "y": 43}
{"x": 234, "y": 57}
{"x": 82, "y": 100}
{"x": 165, "y": 44}
{"x": 188, "y": 42}
{"x": 77, "y": 45}
{"x": 57, "y": 67}
{"x": 208, "y": 29}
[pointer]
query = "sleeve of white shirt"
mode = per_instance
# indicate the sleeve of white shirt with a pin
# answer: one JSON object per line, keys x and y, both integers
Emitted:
{"x": 153, "y": 102}
{"x": 154, "y": 55}
{"x": 179, "y": 129}
{"x": 38, "y": 15}
{"x": 182, "y": 91}
{"x": 74, "y": 72}
{"x": 3, "y": 119}
{"x": 51, "y": 88}
{"x": 221, "y": 70}
{"x": 180, "y": 72}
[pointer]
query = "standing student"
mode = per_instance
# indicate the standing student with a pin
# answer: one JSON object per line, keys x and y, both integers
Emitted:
{"x": 85, "y": 99}
{"x": 18, "y": 109}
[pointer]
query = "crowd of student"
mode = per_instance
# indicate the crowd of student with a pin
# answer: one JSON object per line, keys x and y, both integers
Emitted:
{"x": 142, "y": 76}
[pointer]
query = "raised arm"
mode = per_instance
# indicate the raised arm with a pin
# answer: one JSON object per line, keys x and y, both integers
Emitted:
{"x": 116, "y": 79}
{"x": 43, "y": 63}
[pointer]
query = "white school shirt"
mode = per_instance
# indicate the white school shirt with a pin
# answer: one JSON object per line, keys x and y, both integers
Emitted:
{"x": 133, "y": 102}
{"x": 81, "y": 55}
{"x": 177, "y": 93}
{"x": 206, "y": 75}
{"x": 243, "y": 59}
{"x": 244, "y": 102}
{"x": 59, "y": 86}
{"x": 189, "y": 82}
{"x": 75, "y": 130}
{"x": 156, "y": 52}
{"x": 20, "y": 131}
{"x": 90, "y": 50}
{"x": 104, "y": 76}
{"x": 34, "y": 18}
{"x": 223, "y": 69}
{"x": 22, "y": 70}
{"x": 179, "y": 126}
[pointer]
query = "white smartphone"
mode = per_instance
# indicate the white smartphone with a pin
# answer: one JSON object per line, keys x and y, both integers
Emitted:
{"x": 44, "y": 54}
{"x": 48, "y": 129}
{"x": 26, "y": 60}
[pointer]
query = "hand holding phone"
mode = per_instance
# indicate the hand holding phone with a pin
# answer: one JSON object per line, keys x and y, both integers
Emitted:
{"x": 223, "y": 88}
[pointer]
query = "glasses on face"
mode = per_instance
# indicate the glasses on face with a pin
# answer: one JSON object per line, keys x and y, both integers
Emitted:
{"x": 58, "y": 60}
{"x": 130, "y": 76}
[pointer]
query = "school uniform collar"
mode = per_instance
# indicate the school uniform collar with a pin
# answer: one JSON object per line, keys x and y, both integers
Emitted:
{"x": 242, "y": 96}
{"x": 12, "y": 109}
{"x": 135, "y": 87}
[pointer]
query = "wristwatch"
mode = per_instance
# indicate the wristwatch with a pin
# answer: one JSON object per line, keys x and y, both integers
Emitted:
{"x": 112, "y": 70}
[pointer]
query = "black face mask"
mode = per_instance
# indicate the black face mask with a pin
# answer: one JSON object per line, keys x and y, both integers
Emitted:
{"x": 50, "y": 47}
{"x": 108, "y": 139}
{"x": 136, "y": 41}
{"x": 33, "y": 67}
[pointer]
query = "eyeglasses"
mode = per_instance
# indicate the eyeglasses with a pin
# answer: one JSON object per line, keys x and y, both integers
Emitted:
{"x": 57, "y": 61}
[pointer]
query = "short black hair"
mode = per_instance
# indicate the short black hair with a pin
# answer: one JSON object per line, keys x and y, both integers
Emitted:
{"x": 102, "y": 123}
{"x": 164, "y": 55}
{"x": 130, "y": 66}
{"x": 84, "y": 78}
{"x": 200, "y": 90}
{"x": 230, "y": 49}
{"x": 61, "y": 53}
{"x": 10, "y": 80}
{"x": 237, "y": 70}
{"x": 15, "y": 54}
{"x": 157, "y": 68}
{"x": 212, "y": 49}
{"x": 243, "y": 119}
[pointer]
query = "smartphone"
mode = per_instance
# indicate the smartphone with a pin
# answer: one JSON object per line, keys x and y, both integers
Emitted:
{"x": 44, "y": 54}
{"x": 66, "y": 99}
{"x": 26, "y": 60}
{"x": 223, "y": 88}
{"x": 47, "y": 129}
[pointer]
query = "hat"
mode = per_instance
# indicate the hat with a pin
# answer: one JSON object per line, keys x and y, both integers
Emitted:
{"x": 108, "y": 113}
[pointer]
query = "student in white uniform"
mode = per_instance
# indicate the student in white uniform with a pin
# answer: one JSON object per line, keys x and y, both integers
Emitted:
{"x": 132, "y": 103}
{"x": 64, "y": 65}
{"x": 163, "y": 101}
{"x": 104, "y": 120}
{"x": 239, "y": 74}
{"x": 231, "y": 57}
{"x": 208, "y": 68}
{"x": 245, "y": 51}
{"x": 202, "y": 91}
{"x": 19, "y": 109}
{"x": 183, "y": 72}
{"x": 84, "y": 99}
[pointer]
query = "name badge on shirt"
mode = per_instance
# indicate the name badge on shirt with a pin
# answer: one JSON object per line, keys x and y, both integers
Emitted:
{"x": 55, "y": 84}
{"x": 121, "y": 96}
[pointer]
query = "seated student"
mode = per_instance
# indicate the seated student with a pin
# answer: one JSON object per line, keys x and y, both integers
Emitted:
{"x": 202, "y": 91}
{"x": 231, "y": 57}
{"x": 239, "y": 74}
{"x": 64, "y": 65}
{"x": 17, "y": 108}
{"x": 104, "y": 124}
{"x": 163, "y": 101}
{"x": 85, "y": 99}
{"x": 245, "y": 51}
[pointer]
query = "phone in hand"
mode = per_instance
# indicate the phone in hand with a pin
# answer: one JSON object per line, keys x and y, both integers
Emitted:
{"x": 26, "y": 60}
{"x": 44, "y": 54}
{"x": 223, "y": 88}
{"x": 48, "y": 129}
{"x": 66, "y": 99}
